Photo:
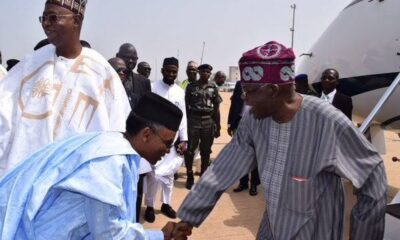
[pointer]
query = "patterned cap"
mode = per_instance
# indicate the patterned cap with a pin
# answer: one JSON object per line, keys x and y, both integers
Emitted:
{"x": 76, "y": 6}
{"x": 270, "y": 63}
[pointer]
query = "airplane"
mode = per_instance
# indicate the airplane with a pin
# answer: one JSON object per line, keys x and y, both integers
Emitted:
{"x": 363, "y": 44}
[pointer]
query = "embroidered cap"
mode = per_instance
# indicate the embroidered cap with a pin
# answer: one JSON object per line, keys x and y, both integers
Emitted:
{"x": 76, "y": 6}
{"x": 270, "y": 63}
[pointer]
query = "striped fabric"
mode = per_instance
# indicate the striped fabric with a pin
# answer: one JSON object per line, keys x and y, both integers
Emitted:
{"x": 301, "y": 164}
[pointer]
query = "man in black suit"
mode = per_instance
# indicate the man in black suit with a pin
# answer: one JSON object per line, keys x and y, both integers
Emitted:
{"x": 135, "y": 85}
{"x": 329, "y": 82}
{"x": 236, "y": 111}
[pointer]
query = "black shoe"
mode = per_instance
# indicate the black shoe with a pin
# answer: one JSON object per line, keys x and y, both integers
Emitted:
{"x": 168, "y": 211}
{"x": 149, "y": 215}
{"x": 253, "y": 190}
{"x": 189, "y": 180}
{"x": 240, "y": 188}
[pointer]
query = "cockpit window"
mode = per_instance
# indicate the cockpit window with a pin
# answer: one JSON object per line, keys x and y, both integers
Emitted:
{"x": 353, "y": 2}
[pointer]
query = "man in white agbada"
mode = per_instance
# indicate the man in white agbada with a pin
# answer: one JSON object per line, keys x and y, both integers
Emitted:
{"x": 84, "y": 187}
{"x": 3, "y": 71}
{"x": 59, "y": 90}
{"x": 163, "y": 174}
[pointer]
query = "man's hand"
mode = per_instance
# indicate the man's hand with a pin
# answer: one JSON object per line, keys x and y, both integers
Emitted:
{"x": 168, "y": 230}
{"x": 182, "y": 147}
{"x": 182, "y": 231}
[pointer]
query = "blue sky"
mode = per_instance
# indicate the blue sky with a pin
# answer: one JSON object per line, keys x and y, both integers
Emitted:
{"x": 162, "y": 28}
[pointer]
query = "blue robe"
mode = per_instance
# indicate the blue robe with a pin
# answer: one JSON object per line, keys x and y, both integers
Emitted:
{"x": 83, "y": 187}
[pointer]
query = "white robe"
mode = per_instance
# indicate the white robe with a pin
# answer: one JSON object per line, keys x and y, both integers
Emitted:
{"x": 163, "y": 172}
{"x": 171, "y": 162}
{"x": 45, "y": 98}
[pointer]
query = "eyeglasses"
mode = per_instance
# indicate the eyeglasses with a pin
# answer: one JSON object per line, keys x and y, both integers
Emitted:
{"x": 53, "y": 18}
{"x": 121, "y": 70}
{"x": 168, "y": 144}
{"x": 250, "y": 91}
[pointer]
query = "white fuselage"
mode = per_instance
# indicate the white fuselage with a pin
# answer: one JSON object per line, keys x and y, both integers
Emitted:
{"x": 363, "y": 44}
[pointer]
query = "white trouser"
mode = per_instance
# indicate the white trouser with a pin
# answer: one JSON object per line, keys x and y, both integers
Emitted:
{"x": 153, "y": 184}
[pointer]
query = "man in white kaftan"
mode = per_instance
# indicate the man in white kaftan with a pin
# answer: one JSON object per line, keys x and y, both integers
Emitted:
{"x": 54, "y": 93}
{"x": 48, "y": 98}
{"x": 163, "y": 174}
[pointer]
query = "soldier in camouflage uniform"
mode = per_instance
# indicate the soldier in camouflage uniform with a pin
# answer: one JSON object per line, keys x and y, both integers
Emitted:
{"x": 202, "y": 103}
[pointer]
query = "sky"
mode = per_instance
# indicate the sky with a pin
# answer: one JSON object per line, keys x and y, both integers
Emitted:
{"x": 165, "y": 28}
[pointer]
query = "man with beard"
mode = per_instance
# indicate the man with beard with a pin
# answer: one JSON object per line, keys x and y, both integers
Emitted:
{"x": 163, "y": 174}
{"x": 135, "y": 85}
{"x": 302, "y": 147}
{"x": 59, "y": 90}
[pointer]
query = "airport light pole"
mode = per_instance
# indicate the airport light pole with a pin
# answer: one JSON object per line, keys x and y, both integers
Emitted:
{"x": 293, "y": 6}
{"x": 202, "y": 53}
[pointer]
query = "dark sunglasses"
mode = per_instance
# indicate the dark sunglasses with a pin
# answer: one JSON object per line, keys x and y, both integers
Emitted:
{"x": 121, "y": 70}
{"x": 53, "y": 18}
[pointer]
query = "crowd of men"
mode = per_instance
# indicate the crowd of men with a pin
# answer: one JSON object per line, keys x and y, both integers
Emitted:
{"x": 80, "y": 135}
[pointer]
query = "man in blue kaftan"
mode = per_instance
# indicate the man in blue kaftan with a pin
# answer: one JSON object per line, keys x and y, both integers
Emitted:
{"x": 84, "y": 187}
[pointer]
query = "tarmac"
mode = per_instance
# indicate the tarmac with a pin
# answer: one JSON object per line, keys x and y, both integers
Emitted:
{"x": 236, "y": 216}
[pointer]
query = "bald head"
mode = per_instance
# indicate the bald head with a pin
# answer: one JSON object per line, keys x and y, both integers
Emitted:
{"x": 119, "y": 66}
{"x": 129, "y": 54}
{"x": 220, "y": 78}
{"x": 191, "y": 71}
{"x": 144, "y": 69}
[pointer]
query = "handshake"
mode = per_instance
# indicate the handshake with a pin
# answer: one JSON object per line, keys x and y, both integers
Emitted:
{"x": 177, "y": 231}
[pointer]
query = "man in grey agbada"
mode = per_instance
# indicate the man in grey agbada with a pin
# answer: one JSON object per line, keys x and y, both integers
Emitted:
{"x": 302, "y": 147}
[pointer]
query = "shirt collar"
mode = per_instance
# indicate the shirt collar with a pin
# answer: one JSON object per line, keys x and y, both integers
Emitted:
{"x": 328, "y": 97}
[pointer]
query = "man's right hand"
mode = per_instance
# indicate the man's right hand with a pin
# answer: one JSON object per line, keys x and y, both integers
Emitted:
{"x": 182, "y": 231}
